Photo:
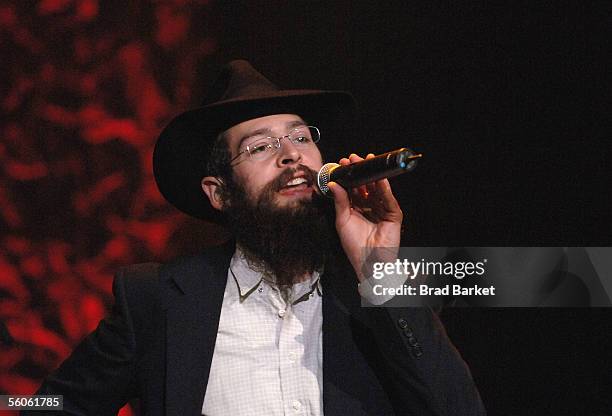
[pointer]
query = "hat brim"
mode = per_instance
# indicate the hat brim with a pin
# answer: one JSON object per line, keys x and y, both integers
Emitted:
{"x": 183, "y": 147}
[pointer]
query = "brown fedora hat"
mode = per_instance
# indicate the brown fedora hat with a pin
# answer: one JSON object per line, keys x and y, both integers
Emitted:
{"x": 240, "y": 93}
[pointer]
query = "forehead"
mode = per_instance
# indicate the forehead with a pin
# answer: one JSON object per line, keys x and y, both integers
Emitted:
{"x": 277, "y": 124}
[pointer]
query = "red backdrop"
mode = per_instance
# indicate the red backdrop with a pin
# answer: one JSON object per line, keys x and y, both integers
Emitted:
{"x": 86, "y": 87}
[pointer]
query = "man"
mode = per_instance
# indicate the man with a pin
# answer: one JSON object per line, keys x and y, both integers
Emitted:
{"x": 270, "y": 324}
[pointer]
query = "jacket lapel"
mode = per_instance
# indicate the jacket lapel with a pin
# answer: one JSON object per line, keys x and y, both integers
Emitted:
{"x": 338, "y": 359}
{"x": 350, "y": 386}
{"x": 194, "y": 299}
{"x": 336, "y": 363}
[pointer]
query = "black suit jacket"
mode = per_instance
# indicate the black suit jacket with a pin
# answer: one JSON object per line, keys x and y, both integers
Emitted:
{"x": 158, "y": 342}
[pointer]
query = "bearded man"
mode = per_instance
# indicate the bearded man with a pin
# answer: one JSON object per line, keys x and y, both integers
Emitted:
{"x": 270, "y": 323}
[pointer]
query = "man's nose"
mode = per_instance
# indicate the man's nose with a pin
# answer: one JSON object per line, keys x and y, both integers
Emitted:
{"x": 288, "y": 154}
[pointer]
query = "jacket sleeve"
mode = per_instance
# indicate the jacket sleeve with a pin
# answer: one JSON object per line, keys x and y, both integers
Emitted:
{"x": 98, "y": 378}
{"x": 424, "y": 373}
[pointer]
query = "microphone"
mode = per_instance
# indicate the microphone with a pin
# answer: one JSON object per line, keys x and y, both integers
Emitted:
{"x": 386, "y": 165}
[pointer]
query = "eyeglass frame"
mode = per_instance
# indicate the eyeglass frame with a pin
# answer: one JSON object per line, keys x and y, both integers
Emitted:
{"x": 276, "y": 145}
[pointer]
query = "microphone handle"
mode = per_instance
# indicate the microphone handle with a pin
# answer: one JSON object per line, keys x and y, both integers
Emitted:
{"x": 386, "y": 165}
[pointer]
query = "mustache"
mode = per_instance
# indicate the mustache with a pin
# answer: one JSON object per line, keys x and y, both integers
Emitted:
{"x": 281, "y": 180}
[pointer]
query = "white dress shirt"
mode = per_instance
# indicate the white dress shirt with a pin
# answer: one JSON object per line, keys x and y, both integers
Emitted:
{"x": 268, "y": 357}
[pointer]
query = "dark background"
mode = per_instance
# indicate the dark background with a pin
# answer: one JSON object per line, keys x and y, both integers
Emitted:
{"x": 508, "y": 102}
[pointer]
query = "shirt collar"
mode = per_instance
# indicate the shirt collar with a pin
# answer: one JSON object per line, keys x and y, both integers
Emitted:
{"x": 314, "y": 286}
{"x": 248, "y": 280}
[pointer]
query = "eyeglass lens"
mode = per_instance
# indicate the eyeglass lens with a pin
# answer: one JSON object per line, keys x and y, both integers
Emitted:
{"x": 262, "y": 147}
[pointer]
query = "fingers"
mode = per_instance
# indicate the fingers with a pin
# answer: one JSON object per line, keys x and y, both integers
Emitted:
{"x": 390, "y": 204}
{"x": 371, "y": 187}
{"x": 364, "y": 191}
{"x": 342, "y": 203}
{"x": 360, "y": 191}
{"x": 374, "y": 199}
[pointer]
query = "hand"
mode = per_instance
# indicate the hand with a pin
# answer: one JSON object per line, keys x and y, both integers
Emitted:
{"x": 370, "y": 218}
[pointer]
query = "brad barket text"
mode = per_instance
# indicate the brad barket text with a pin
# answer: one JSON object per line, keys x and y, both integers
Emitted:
{"x": 411, "y": 269}
{"x": 424, "y": 290}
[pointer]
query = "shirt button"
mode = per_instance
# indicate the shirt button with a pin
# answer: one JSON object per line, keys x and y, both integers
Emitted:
{"x": 281, "y": 313}
{"x": 292, "y": 357}
{"x": 296, "y": 405}
{"x": 260, "y": 289}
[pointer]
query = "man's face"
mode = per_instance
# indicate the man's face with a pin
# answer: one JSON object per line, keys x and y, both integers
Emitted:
{"x": 286, "y": 164}
{"x": 270, "y": 201}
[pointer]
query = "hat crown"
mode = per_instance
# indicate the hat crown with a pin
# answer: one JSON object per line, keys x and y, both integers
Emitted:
{"x": 239, "y": 79}
{"x": 240, "y": 93}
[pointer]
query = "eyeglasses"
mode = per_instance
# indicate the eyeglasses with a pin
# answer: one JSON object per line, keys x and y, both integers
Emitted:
{"x": 263, "y": 147}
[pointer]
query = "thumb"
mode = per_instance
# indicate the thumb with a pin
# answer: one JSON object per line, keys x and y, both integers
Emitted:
{"x": 341, "y": 201}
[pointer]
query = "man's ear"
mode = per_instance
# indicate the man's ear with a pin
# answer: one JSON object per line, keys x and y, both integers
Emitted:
{"x": 212, "y": 188}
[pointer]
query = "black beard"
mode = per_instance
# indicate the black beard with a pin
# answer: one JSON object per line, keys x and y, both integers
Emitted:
{"x": 284, "y": 243}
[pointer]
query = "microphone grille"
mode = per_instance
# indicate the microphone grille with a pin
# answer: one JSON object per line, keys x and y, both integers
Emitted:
{"x": 323, "y": 178}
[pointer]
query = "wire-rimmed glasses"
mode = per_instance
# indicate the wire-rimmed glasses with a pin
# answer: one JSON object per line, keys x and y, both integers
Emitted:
{"x": 262, "y": 147}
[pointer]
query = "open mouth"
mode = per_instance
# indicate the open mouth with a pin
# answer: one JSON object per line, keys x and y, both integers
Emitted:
{"x": 299, "y": 184}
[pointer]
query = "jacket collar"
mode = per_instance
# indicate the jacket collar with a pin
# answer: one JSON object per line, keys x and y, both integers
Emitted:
{"x": 193, "y": 300}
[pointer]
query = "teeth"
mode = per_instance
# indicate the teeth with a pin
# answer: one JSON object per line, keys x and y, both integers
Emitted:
{"x": 296, "y": 181}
